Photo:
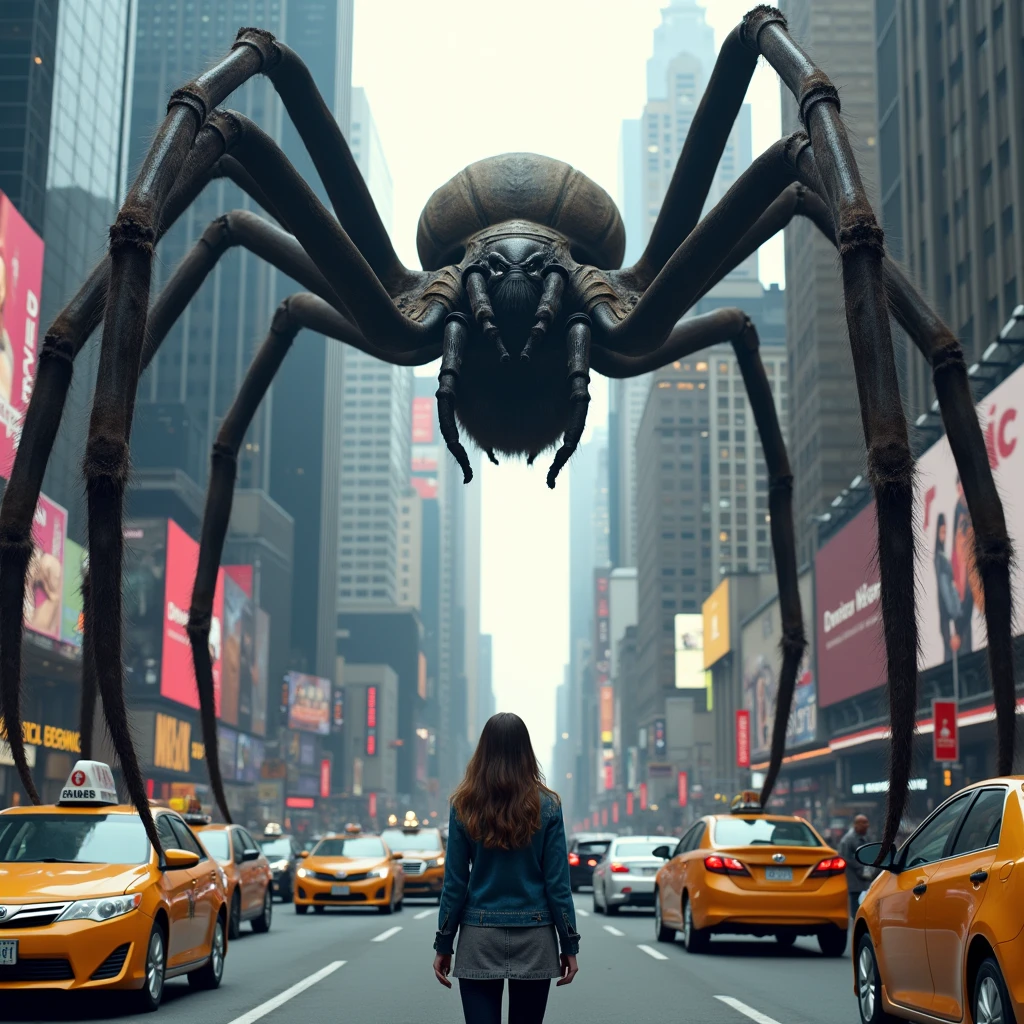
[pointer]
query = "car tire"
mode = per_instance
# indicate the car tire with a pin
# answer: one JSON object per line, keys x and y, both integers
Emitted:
{"x": 288, "y": 895}
{"x": 261, "y": 924}
{"x": 661, "y": 933}
{"x": 235, "y": 918}
{"x": 148, "y": 998}
{"x": 832, "y": 941}
{"x": 209, "y": 975}
{"x": 598, "y": 909}
{"x": 695, "y": 940}
{"x": 301, "y": 908}
{"x": 611, "y": 909}
{"x": 990, "y": 1001}
{"x": 400, "y": 905}
{"x": 869, "y": 984}
{"x": 785, "y": 939}
{"x": 320, "y": 909}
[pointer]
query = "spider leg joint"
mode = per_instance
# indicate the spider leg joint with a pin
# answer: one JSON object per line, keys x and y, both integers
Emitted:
{"x": 755, "y": 20}
{"x": 263, "y": 42}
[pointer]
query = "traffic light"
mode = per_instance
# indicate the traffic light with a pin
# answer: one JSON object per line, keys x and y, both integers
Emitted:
{"x": 947, "y": 777}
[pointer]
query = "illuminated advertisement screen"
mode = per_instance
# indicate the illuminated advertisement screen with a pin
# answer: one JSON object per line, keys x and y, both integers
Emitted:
{"x": 261, "y": 673}
{"x": 44, "y": 584}
{"x": 371, "y": 721}
{"x": 309, "y": 703}
{"x": 689, "y": 644}
{"x": 21, "y": 278}
{"x": 75, "y": 561}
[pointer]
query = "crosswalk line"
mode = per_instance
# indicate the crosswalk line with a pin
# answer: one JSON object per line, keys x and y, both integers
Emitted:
{"x": 652, "y": 952}
{"x": 747, "y": 1011}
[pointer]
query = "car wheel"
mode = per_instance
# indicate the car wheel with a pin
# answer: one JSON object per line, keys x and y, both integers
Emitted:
{"x": 785, "y": 939}
{"x": 695, "y": 940}
{"x": 261, "y": 924}
{"x": 147, "y": 999}
{"x": 319, "y": 909}
{"x": 832, "y": 941}
{"x": 869, "y": 985}
{"x": 991, "y": 1001}
{"x": 661, "y": 933}
{"x": 610, "y": 908}
{"x": 209, "y": 975}
{"x": 235, "y": 918}
{"x": 597, "y": 906}
{"x": 301, "y": 908}
{"x": 399, "y": 905}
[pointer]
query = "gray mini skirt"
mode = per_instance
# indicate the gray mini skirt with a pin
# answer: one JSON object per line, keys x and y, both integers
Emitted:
{"x": 525, "y": 954}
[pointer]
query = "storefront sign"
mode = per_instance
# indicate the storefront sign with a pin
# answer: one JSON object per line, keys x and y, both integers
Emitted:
{"x": 371, "y": 721}
{"x": 629, "y": 804}
{"x": 52, "y": 737}
{"x": 715, "y": 613}
{"x": 300, "y": 803}
{"x": 172, "y": 744}
{"x": 683, "y": 789}
{"x": 325, "y": 777}
{"x": 742, "y": 739}
{"x": 643, "y": 796}
{"x": 946, "y": 738}
{"x": 882, "y": 786}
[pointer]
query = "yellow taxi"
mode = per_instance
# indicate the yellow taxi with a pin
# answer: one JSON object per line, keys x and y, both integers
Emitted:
{"x": 940, "y": 932}
{"x": 250, "y": 880}
{"x": 751, "y": 873}
{"x": 422, "y": 850}
{"x": 350, "y": 871}
{"x": 86, "y": 903}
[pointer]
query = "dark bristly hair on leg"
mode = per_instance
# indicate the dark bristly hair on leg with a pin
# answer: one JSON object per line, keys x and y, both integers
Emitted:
{"x": 87, "y": 707}
{"x": 577, "y": 332}
{"x": 456, "y": 331}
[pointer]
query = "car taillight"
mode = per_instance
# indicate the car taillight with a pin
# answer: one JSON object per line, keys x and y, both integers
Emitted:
{"x": 574, "y": 860}
{"x": 620, "y": 869}
{"x": 724, "y": 865}
{"x": 828, "y": 867}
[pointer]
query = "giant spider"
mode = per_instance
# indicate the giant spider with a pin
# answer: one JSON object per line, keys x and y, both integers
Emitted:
{"x": 520, "y": 298}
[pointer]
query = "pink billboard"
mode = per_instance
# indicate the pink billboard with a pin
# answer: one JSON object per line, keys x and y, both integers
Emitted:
{"x": 177, "y": 674}
{"x": 44, "y": 585}
{"x": 21, "y": 278}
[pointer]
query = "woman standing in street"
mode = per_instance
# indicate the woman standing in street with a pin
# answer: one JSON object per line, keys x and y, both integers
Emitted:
{"x": 506, "y": 883}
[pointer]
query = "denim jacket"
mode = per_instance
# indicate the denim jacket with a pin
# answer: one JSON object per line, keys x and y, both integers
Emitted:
{"x": 508, "y": 888}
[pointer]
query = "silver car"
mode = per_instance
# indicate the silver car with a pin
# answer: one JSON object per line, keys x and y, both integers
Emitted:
{"x": 624, "y": 876}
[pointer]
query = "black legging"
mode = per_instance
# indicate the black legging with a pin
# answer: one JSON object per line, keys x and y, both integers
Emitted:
{"x": 481, "y": 1000}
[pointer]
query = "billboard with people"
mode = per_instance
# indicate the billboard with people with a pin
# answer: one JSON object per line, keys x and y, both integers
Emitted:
{"x": 21, "y": 279}
{"x": 309, "y": 703}
{"x": 44, "y": 583}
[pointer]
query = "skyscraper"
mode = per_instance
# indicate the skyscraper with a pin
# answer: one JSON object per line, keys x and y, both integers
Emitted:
{"x": 825, "y": 424}
{"x": 950, "y": 151}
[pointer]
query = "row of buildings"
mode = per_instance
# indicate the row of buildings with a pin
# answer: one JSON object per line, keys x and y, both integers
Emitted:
{"x": 351, "y": 664}
{"x": 669, "y": 694}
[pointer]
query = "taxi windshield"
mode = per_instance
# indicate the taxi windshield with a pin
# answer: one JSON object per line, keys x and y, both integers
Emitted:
{"x": 424, "y": 839}
{"x": 277, "y": 847}
{"x": 73, "y": 839}
{"x": 364, "y": 846}
{"x": 763, "y": 832}
{"x": 216, "y": 843}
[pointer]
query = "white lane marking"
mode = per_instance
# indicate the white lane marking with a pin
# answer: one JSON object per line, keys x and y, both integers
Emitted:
{"x": 747, "y": 1011}
{"x": 651, "y": 951}
{"x": 270, "y": 1005}
{"x": 582, "y": 912}
{"x": 384, "y": 936}
{"x": 422, "y": 914}
{"x": 613, "y": 931}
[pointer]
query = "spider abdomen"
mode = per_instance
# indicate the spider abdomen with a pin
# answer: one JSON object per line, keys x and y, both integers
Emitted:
{"x": 521, "y": 187}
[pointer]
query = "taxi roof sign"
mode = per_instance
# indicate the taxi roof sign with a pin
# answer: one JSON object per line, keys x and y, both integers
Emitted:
{"x": 90, "y": 783}
{"x": 748, "y": 800}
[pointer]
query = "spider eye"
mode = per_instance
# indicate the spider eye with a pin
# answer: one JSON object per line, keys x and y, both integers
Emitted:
{"x": 497, "y": 264}
{"x": 534, "y": 263}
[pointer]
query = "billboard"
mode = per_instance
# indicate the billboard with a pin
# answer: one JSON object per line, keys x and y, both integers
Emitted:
{"x": 689, "y": 644}
{"x": 44, "y": 583}
{"x": 848, "y": 627}
{"x": 743, "y": 739}
{"x": 238, "y": 656}
{"x": 715, "y": 612}
{"x": 309, "y": 703}
{"x": 76, "y": 559}
{"x": 145, "y": 566}
{"x": 21, "y": 279}
{"x": 261, "y": 672}
{"x": 177, "y": 674}
{"x": 602, "y": 628}
{"x": 607, "y": 715}
{"x": 762, "y": 660}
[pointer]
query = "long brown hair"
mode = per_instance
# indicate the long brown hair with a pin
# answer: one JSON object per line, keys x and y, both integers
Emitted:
{"x": 499, "y": 798}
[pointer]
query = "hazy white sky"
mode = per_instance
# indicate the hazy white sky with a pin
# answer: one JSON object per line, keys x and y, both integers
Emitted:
{"x": 450, "y": 82}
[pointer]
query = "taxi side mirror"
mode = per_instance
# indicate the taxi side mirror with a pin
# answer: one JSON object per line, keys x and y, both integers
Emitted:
{"x": 303, "y": 853}
{"x": 867, "y": 855}
{"x": 661, "y": 851}
{"x": 396, "y": 856}
{"x": 176, "y": 860}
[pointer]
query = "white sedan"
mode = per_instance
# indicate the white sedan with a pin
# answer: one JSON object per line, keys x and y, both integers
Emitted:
{"x": 624, "y": 877}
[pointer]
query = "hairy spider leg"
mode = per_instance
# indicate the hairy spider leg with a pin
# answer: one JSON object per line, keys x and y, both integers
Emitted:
{"x": 549, "y": 307}
{"x": 491, "y": 457}
{"x": 63, "y": 341}
{"x": 456, "y": 333}
{"x": 577, "y": 335}
{"x": 474, "y": 280}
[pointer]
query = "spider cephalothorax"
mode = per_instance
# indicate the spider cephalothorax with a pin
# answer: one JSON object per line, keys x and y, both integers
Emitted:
{"x": 519, "y": 296}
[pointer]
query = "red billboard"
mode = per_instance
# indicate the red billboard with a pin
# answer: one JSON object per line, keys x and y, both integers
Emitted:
{"x": 177, "y": 673}
{"x": 743, "y": 739}
{"x": 629, "y": 804}
{"x": 21, "y": 279}
{"x": 422, "y": 421}
{"x": 371, "y": 721}
{"x": 44, "y": 584}
{"x": 945, "y": 739}
{"x": 683, "y": 788}
{"x": 325, "y": 777}
{"x": 848, "y": 633}
{"x": 242, "y": 575}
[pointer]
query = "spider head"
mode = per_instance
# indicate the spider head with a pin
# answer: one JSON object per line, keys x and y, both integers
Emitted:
{"x": 515, "y": 279}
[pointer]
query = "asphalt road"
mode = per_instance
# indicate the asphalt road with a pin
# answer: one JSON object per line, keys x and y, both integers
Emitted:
{"x": 361, "y": 967}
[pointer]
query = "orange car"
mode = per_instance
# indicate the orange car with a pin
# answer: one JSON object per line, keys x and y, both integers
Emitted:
{"x": 87, "y": 905}
{"x": 940, "y": 933}
{"x": 250, "y": 880}
{"x": 350, "y": 871}
{"x": 750, "y": 873}
{"x": 422, "y": 851}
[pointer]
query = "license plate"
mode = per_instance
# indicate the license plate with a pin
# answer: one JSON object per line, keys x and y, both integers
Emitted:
{"x": 650, "y": 871}
{"x": 8, "y": 952}
{"x": 339, "y": 890}
{"x": 778, "y": 874}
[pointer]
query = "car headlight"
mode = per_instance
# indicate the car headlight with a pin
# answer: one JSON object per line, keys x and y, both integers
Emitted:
{"x": 377, "y": 873}
{"x": 436, "y": 862}
{"x": 279, "y": 865}
{"x": 102, "y": 909}
{"x": 304, "y": 873}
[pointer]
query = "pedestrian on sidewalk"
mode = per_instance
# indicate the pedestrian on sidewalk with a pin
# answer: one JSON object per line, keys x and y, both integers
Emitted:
{"x": 858, "y": 876}
{"x": 506, "y": 883}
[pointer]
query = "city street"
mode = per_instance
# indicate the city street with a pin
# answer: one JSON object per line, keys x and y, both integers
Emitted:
{"x": 363, "y": 967}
